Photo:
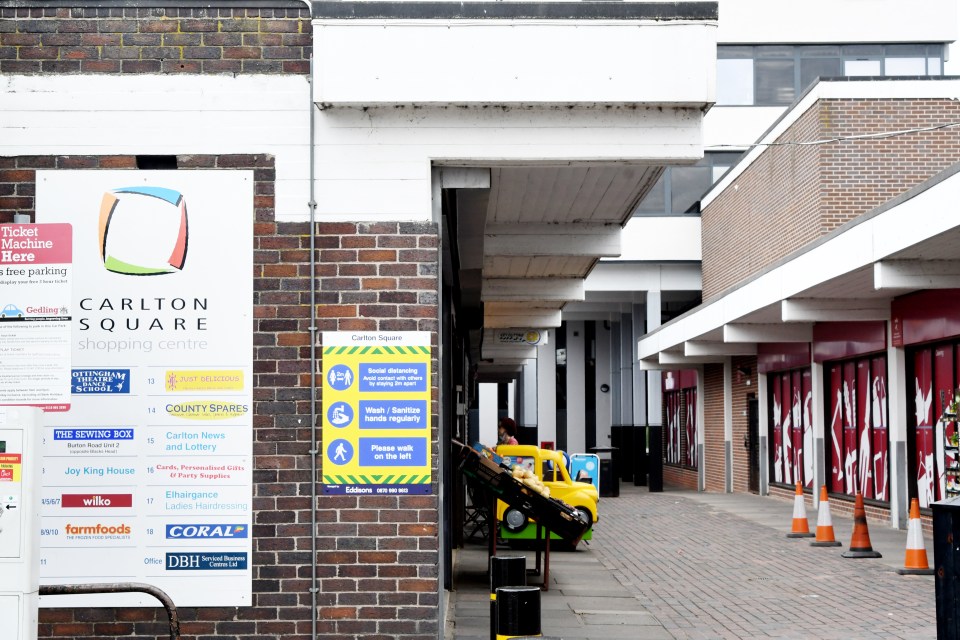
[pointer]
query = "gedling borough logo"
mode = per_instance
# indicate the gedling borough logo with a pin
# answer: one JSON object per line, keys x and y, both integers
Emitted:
{"x": 143, "y": 231}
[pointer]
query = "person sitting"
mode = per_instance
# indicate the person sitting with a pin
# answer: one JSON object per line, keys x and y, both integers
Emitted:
{"x": 507, "y": 431}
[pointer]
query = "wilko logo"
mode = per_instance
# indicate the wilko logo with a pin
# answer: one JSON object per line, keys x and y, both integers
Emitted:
{"x": 194, "y": 531}
{"x": 97, "y": 500}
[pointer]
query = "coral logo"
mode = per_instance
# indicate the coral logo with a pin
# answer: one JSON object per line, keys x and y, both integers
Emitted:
{"x": 143, "y": 231}
{"x": 194, "y": 531}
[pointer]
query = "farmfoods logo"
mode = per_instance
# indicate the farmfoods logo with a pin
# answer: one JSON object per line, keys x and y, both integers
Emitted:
{"x": 143, "y": 231}
{"x": 97, "y": 531}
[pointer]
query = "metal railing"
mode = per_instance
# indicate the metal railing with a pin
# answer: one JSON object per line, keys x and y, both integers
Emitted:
{"x": 120, "y": 587}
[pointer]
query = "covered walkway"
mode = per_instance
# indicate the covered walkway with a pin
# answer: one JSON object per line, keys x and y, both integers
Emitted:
{"x": 682, "y": 564}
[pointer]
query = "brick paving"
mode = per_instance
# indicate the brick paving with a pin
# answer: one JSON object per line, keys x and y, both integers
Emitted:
{"x": 705, "y": 572}
{"x": 689, "y": 565}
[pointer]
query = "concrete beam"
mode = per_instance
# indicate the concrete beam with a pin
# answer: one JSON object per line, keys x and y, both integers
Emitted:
{"x": 916, "y": 274}
{"x": 834, "y": 309}
{"x": 793, "y": 332}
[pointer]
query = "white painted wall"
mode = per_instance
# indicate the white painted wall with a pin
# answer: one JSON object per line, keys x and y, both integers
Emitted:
{"x": 547, "y": 389}
{"x": 736, "y": 128}
{"x": 604, "y": 413}
{"x": 611, "y": 276}
{"x": 371, "y": 164}
{"x": 164, "y": 115}
{"x": 782, "y": 21}
{"x": 530, "y": 392}
{"x": 487, "y": 403}
{"x": 504, "y": 61}
{"x": 665, "y": 238}
{"x": 576, "y": 378}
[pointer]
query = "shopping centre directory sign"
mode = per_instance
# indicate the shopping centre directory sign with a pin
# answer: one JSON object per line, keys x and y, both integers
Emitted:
{"x": 148, "y": 476}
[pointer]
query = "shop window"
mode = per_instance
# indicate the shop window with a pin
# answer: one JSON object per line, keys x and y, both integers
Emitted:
{"x": 690, "y": 401}
{"x": 791, "y": 427}
{"x": 857, "y": 439}
{"x": 680, "y": 435}
{"x": 935, "y": 374}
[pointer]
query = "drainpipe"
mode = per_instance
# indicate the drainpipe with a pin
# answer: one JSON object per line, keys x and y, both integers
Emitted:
{"x": 312, "y": 205}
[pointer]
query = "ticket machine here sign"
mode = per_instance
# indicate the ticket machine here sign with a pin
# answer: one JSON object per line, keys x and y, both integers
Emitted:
{"x": 376, "y": 413}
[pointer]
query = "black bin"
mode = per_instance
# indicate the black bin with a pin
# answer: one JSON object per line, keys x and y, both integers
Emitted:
{"x": 640, "y": 456}
{"x": 946, "y": 564}
{"x": 609, "y": 475}
{"x": 655, "y": 459}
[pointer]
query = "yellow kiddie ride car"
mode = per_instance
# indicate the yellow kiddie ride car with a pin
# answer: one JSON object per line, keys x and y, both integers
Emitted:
{"x": 543, "y": 470}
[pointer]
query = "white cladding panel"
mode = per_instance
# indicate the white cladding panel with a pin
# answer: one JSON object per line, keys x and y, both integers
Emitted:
{"x": 370, "y": 164}
{"x": 661, "y": 238}
{"x": 164, "y": 115}
{"x": 779, "y": 21}
{"x": 532, "y": 62}
{"x": 736, "y": 128}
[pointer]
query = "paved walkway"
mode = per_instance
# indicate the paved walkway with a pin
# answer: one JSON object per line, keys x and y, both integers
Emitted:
{"x": 684, "y": 565}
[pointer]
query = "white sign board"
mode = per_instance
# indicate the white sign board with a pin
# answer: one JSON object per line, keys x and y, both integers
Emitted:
{"x": 148, "y": 476}
{"x": 35, "y": 275}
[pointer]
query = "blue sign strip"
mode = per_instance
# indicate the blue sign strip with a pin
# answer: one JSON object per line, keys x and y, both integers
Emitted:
{"x": 100, "y": 381}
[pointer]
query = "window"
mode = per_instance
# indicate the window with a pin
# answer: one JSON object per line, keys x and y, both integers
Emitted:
{"x": 773, "y": 75}
{"x": 734, "y": 81}
{"x": 679, "y": 189}
{"x": 857, "y": 453}
{"x": 790, "y": 399}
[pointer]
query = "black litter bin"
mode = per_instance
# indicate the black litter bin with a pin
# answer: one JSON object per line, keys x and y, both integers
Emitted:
{"x": 946, "y": 564}
{"x": 655, "y": 459}
{"x": 640, "y": 456}
{"x": 609, "y": 478}
{"x": 625, "y": 454}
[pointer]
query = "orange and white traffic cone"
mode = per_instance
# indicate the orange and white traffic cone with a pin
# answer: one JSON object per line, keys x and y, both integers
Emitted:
{"x": 915, "y": 563}
{"x": 800, "y": 527}
{"x": 860, "y": 546}
{"x": 825, "y": 537}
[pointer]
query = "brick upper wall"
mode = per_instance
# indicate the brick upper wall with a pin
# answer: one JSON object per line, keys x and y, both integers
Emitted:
{"x": 155, "y": 40}
{"x": 792, "y": 195}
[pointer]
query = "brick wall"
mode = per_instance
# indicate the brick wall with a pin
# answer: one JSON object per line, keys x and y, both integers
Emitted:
{"x": 792, "y": 195}
{"x": 155, "y": 40}
{"x": 377, "y": 560}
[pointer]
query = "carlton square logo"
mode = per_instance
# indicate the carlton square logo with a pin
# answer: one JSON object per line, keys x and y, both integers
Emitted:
{"x": 143, "y": 231}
